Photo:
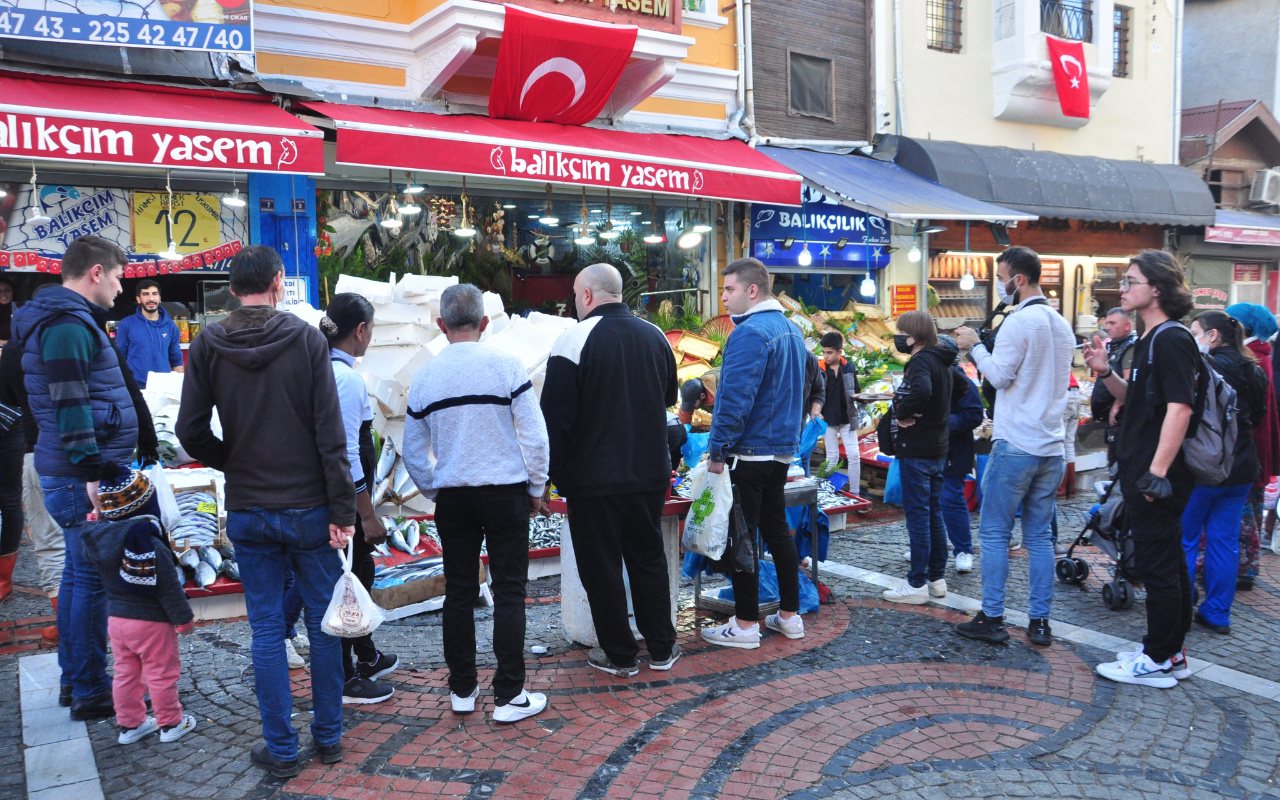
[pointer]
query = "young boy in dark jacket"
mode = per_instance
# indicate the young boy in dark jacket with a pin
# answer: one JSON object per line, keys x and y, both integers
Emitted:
{"x": 147, "y": 610}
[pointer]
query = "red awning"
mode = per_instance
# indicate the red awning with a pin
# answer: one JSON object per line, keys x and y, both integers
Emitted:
{"x": 154, "y": 126}
{"x": 565, "y": 154}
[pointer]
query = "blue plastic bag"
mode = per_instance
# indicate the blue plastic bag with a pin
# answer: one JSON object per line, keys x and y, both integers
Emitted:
{"x": 769, "y": 589}
{"x": 813, "y": 430}
{"x": 893, "y": 484}
{"x": 798, "y": 521}
{"x": 694, "y": 446}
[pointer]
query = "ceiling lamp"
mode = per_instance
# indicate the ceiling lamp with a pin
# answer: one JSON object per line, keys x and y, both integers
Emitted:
{"x": 700, "y": 223}
{"x": 608, "y": 232}
{"x": 868, "y": 287}
{"x": 548, "y": 217}
{"x": 584, "y": 238}
{"x": 966, "y": 280}
{"x": 390, "y": 221}
{"x": 411, "y": 187}
{"x": 464, "y": 229}
{"x": 654, "y": 237}
{"x": 36, "y": 213}
{"x": 636, "y": 213}
{"x": 234, "y": 199}
{"x": 508, "y": 205}
{"x": 805, "y": 258}
{"x": 689, "y": 239}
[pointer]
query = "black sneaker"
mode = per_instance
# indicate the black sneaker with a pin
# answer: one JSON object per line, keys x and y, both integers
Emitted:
{"x": 98, "y": 707}
{"x": 1244, "y": 584}
{"x": 600, "y": 661}
{"x": 984, "y": 628}
{"x": 362, "y": 691}
{"x": 1038, "y": 632}
{"x": 1222, "y": 630}
{"x": 382, "y": 664}
{"x": 261, "y": 756}
{"x": 64, "y": 696}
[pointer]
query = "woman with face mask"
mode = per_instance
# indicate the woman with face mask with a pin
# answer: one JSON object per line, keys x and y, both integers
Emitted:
{"x": 1214, "y": 514}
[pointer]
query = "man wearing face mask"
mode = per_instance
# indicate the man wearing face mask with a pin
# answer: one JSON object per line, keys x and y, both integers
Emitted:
{"x": 1029, "y": 369}
{"x": 1121, "y": 339}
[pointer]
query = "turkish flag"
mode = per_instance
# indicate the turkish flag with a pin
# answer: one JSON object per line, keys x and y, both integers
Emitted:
{"x": 1070, "y": 76}
{"x": 551, "y": 69}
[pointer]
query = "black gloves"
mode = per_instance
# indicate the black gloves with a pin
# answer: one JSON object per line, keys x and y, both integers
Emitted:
{"x": 1154, "y": 488}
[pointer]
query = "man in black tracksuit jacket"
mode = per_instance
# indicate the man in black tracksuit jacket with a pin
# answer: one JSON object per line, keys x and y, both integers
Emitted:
{"x": 610, "y": 380}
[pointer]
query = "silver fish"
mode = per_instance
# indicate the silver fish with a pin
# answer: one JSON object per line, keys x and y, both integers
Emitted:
{"x": 412, "y": 536}
{"x": 189, "y": 558}
{"x": 182, "y": 575}
{"x": 231, "y": 569}
{"x": 228, "y": 553}
{"x": 380, "y": 494}
{"x": 398, "y": 542}
{"x": 386, "y": 461}
{"x": 205, "y": 574}
{"x": 402, "y": 486}
{"x": 211, "y": 557}
{"x": 381, "y": 551}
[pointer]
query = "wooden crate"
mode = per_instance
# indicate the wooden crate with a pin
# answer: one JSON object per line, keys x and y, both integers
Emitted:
{"x": 220, "y": 539}
{"x": 874, "y": 478}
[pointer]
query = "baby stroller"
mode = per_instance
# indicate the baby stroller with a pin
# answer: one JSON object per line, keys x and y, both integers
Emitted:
{"x": 1107, "y": 520}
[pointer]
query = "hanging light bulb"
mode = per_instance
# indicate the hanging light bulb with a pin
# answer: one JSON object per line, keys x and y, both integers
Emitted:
{"x": 584, "y": 238}
{"x": 411, "y": 187}
{"x": 689, "y": 239}
{"x": 868, "y": 287}
{"x": 966, "y": 282}
{"x": 654, "y": 237}
{"x": 913, "y": 255}
{"x": 805, "y": 258}
{"x": 410, "y": 208}
{"x": 464, "y": 229}
{"x": 234, "y": 199}
{"x": 36, "y": 213}
{"x": 609, "y": 232}
{"x": 390, "y": 221}
{"x": 701, "y": 225}
{"x": 548, "y": 216}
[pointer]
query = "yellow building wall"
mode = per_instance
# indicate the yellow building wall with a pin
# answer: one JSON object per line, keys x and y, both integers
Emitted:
{"x": 950, "y": 96}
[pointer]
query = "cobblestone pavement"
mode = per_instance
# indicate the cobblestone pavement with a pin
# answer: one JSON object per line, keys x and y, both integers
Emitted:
{"x": 876, "y": 701}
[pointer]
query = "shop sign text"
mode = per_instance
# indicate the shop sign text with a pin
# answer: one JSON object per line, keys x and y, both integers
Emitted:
{"x": 1206, "y": 297}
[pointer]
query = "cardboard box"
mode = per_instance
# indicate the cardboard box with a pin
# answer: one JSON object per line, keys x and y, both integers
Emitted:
{"x": 413, "y": 592}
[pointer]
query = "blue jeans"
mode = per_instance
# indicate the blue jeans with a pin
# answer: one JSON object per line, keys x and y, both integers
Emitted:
{"x": 1215, "y": 511}
{"x": 82, "y": 601}
{"x": 267, "y": 543}
{"x": 1015, "y": 478}
{"x": 292, "y": 605}
{"x": 955, "y": 513}
{"x": 922, "y": 502}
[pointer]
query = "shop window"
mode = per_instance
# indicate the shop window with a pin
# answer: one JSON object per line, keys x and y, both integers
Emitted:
{"x": 810, "y": 86}
{"x": 1120, "y": 42}
{"x": 943, "y": 19}
{"x": 1067, "y": 19}
{"x": 1228, "y": 187}
{"x": 696, "y": 6}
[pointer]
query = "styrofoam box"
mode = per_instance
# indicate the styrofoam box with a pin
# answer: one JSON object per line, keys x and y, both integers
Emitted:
{"x": 373, "y": 291}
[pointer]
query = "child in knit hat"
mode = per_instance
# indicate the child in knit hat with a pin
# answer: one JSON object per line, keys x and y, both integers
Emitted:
{"x": 147, "y": 610}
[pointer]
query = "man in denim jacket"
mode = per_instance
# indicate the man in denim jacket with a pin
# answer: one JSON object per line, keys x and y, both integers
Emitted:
{"x": 756, "y": 426}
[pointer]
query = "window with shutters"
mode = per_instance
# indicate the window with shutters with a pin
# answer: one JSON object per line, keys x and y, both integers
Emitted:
{"x": 810, "y": 86}
{"x": 943, "y": 20}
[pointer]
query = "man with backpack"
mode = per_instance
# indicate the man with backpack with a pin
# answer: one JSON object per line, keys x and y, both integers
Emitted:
{"x": 1153, "y": 468}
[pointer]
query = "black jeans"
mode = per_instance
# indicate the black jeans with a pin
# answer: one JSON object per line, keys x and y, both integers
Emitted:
{"x": 607, "y": 533}
{"x": 13, "y": 445}
{"x": 362, "y": 646}
{"x": 760, "y": 486}
{"x": 1161, "y": 564}
{"x": 499, "y": 517}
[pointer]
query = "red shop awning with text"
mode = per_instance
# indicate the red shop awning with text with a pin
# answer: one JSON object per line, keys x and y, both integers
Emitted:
{"x": 558, "y": 154}
{"x": 94, "y": 122}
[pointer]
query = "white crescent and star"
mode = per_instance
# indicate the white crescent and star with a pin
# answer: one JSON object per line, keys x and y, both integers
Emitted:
{"x": 564, "y": 66}
{"x": 1075, "y": 79}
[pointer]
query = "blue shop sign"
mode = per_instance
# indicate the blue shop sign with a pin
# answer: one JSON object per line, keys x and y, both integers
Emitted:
{"x": 821, "y": 223}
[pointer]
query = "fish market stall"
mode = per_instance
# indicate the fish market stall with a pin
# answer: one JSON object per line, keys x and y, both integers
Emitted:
{"x": 206, "y": 557}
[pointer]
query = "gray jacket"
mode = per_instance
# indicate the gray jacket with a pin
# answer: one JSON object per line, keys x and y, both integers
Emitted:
{"x": 104, "y": 548}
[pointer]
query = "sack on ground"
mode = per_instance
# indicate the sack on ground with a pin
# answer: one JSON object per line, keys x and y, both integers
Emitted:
{"x": 706, "y": 529}
{"x": 351, "y": 612}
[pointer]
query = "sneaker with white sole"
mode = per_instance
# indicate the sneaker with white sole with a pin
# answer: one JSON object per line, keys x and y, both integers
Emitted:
{"x": 291, "y": 656}
{"x": 938, "y": 588}
{"x": 1015, "y": 544}
{"x": 522, "y": 707}
{"x": 906, "y": 593}
{"x": 1181, "y": 670}
{"x": 464, "y": 705}
{"x": 906, "y": 556}
{"x": 600, "y": 660}
{"x": 383, "y": 664}
{"x": 362, "y": 691}
{"x": 792, "y": 628}
{"x": 664, "y": 664}
{"x": 301, "y": 643}
{"x": 172, "y": 733}
{"x": 964, "y": 562}
{"x": 730, "y": 635}
{"x": 131, "y": 735}
{"x": 1141, "y": 671}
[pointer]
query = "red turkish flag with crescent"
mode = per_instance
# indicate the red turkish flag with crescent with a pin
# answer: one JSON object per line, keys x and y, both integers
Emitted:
{"x": 551, "y": 69}
{"x": 1070, "y": 76}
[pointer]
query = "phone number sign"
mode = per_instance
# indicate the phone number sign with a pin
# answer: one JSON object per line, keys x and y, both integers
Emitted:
{"x": 215, "y": 25}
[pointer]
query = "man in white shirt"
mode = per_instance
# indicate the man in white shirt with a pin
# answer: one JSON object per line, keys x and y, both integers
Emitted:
{"x": 1029, "y": 366}
{"x": 475, "y": 442}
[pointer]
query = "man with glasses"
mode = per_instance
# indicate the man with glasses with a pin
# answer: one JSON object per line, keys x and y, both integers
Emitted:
{"x": 1153, "y": 476}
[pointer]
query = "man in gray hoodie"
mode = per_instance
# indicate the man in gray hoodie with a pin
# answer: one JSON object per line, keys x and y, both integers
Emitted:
{"x": 289, "y": 492}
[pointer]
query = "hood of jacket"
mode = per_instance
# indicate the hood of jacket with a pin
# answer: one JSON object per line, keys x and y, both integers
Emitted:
{"x": 104, "y": 541}
{"x": 768, "y": 305}
{"x": 50, "y": 303}
{"x": 941, "y": 352}
{"x": 159, "y": 322}
{"x": 254, "y": 336}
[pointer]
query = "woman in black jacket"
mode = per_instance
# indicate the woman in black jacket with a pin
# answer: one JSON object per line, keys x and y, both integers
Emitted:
{"x": 921, "y": 429}
{"x": 1213, "y": 513}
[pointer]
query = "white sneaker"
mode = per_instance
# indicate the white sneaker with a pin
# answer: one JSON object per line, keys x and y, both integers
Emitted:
{"x": 938, "y": 588}
{"x": 144, "y": 730}
{"x": 291, "y": 656}
{"x": 300, "y": 642}
{"x": 792, "y": 628}
{"x": 906, "y": 593}
{"x": 464, "y": 705}
{"x": 964, "y": 562}
{"x": 1015, "y": 543}
{"x": 906, "y": 556}
{"x": 522, "y": 707}
{"x": 1181, "y": 670}
{"x": 175, "y": 733}
{"x": 1140, "y": 670}
{"x": 730, "y": 635}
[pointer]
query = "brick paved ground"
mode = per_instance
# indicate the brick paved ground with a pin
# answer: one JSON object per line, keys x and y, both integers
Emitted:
{"x": 876, "y": 701}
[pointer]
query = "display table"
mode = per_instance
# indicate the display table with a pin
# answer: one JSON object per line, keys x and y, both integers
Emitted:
{"x": 575, "y": 612}
{"x": 798, "y": 493}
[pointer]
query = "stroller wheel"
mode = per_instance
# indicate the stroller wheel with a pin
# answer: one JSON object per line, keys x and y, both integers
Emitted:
{"x": 1126, "y": 597}
{"x": 1082, "y": 569}
{"x": 1110, "y": 596}
{"x": 1066, "y": 570}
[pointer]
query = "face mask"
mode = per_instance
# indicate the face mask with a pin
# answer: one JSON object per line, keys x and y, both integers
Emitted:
{"x": 1007, "y": 296}
{"x": 1204, "y": 348}
{"x": 900, "y": 342}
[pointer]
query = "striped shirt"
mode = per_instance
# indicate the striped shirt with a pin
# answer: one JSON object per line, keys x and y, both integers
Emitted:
{"x": 474, "y": 420}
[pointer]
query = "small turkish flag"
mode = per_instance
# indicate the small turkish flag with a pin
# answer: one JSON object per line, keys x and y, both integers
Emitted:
{"x": 1070, "y": 76}
{"x": 551, "y": 69}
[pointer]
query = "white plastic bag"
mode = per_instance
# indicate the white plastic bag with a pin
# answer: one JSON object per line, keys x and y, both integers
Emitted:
{"x": 170, "y": 516}
{"x": 351, "y": 612}
{"x": 706, "y": 529}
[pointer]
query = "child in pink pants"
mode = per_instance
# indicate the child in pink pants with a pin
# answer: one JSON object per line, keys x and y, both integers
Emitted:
{"x": 147, "y": 610}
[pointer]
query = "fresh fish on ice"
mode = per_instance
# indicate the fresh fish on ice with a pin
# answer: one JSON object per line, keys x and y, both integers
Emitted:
{"x": 386, "y": 461}
{"x": 211, "y": 557}
{"x": 205, "y": 574}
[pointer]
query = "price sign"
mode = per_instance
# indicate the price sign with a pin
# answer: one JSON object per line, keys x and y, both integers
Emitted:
{"x": 194, "y": 222}
{"x": 903, "y": 297}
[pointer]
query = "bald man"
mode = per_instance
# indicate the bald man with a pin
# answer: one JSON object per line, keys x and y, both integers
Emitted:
{"x": 610, "y": 380}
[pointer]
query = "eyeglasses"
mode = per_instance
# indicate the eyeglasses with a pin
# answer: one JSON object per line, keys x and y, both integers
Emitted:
{"x": 1125, "y": 283}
